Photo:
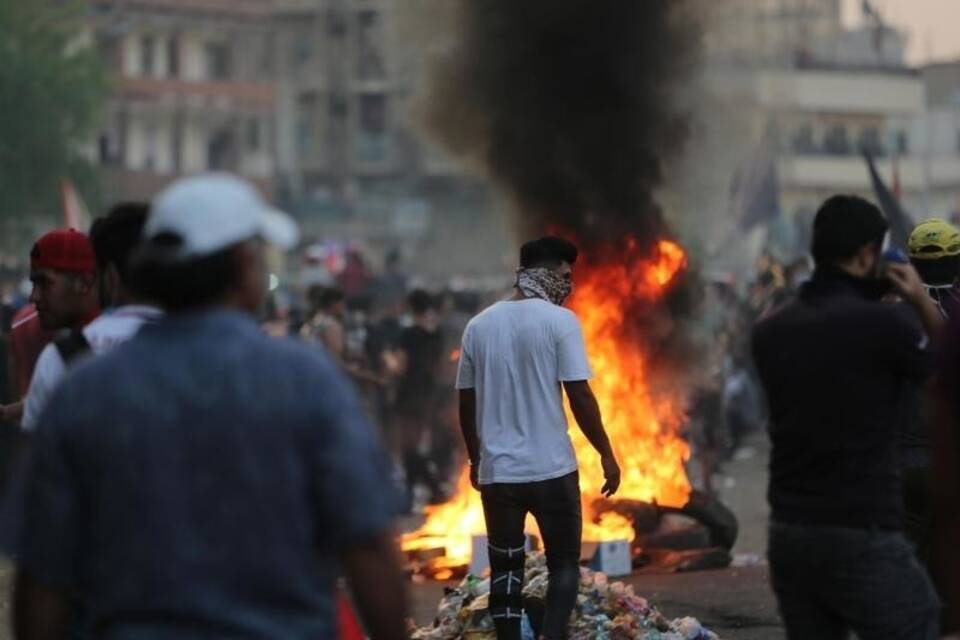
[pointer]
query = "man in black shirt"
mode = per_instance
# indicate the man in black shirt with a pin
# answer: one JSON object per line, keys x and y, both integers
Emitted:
{"x": 417, "y": 391}
{"x": 834, "y": 364}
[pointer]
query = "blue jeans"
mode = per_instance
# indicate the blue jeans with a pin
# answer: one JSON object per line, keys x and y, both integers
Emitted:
{"x": 831, "y": 581}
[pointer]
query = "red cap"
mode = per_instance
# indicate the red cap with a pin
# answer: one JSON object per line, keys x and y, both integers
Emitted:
{"x": 64, "y": 250}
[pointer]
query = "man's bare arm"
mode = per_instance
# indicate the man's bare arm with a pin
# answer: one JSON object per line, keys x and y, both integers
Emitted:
{"x": 468, "y": 426}
{"x": 379, "y": 590}
{"x": 39, "y": 612}
{"x": 587, "y": 413}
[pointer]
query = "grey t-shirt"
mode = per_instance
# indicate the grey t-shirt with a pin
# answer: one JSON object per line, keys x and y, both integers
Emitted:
{"x": 201, "y": 481}
{"x": 515, "y": 354}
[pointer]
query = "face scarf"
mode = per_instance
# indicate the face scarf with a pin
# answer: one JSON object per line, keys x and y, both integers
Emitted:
{"x": 544, "y": 284}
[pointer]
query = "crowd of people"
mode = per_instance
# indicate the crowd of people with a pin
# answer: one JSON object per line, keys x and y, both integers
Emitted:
{"x": 171, "y": 469}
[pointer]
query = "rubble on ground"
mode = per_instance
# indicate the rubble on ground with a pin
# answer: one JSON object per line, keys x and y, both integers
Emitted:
{"x": 604, "y": 611}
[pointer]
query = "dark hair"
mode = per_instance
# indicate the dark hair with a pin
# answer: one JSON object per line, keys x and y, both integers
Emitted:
{"x": 547, "y": 252}
{"x": 116, "y": 236}
{"x": 182, "y": 285}
{"x": 420, "y": 301}
{"x": 330, "y": 296}
{"x": 843, "y": 226}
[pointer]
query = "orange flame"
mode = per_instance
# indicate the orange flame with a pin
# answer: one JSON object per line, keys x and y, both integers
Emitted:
{"x": 642, "y": 422}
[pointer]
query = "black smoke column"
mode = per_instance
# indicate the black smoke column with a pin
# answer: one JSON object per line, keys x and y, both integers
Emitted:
{"x": 570, "y": 106}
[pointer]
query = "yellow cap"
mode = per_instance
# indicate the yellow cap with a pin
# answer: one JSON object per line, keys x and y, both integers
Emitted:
{"x": 934, "y": 239}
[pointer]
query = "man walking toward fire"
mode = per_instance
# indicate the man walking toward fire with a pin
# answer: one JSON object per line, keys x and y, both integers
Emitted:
{"x": 835, "y": 364}
{"x": 515, "y": 357}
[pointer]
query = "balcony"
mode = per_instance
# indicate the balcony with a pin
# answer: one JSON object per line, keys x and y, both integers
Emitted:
{"x": 220, "y": 95}
{"x": 844, "y": 173}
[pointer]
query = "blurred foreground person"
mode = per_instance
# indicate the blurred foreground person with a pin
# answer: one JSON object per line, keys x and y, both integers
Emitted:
{"x": 114, "y": 238}
{"x": 834, "y": 364}
{"x": 516, "y": 359}
{"x": 204, "y": 480}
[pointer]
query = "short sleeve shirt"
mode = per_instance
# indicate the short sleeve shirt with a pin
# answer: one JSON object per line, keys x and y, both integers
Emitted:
{"x": 202, "y": 480}
{"x": 104, "y": 333}
{"x": 515, "y": 355}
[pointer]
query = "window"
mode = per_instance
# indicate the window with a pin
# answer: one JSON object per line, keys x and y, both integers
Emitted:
{"x": 254, "y": 134}
{"x": 870, "y": 142}
{"x": 150, "y": 148}
{"x": 218, "y": 61}
{"x": 173, "y": 57}
{"x": 372, "y": 136}
{"x": 803, "y": 142}
{"x": 302, "y": 50}
{"x": 336, "y": 24}
{"x": 903, "y": 143}
{"x": 147, "y": 50}
{"x": 221, "y": 151}
{"x": 306, "y": 123}
{"x": 370, "y": 59}
{"x": 837, "y": 141}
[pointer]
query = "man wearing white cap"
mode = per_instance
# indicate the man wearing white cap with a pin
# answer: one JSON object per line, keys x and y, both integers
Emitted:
{"x": 203, "y": 480}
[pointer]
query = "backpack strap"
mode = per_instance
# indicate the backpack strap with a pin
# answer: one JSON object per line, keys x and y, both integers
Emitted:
{"x": 72, "y": 346}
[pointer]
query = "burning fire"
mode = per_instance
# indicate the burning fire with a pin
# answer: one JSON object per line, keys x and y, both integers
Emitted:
{"x": 642, "y": 424}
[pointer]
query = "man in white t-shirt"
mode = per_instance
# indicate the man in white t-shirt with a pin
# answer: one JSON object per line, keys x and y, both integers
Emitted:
{"x": 114, "y": 238}
{"x": 516, "y": 359}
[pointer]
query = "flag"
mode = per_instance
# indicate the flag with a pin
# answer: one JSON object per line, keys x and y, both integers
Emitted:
{"x": 900, "y": 223}
{"x": 75, "y": 212}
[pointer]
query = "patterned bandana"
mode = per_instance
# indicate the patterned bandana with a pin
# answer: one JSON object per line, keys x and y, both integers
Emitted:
{"x": 544, "y": 284}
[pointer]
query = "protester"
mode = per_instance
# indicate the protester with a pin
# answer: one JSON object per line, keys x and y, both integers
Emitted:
{"x": 326, "y": 326}
{"x": 935, "y": 252}
{"x": 421, "y": 348}
{"x": 114, "y": 238}
{"x": 515, "y": 357}
{"x": 63, "y": 271}
{"x": 833, "y": 364}
{"x": 204, "y": 479}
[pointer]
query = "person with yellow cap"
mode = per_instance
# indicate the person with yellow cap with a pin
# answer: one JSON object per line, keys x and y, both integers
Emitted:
{"x": 935, "y": 252}
{"x": 934, "y": 248}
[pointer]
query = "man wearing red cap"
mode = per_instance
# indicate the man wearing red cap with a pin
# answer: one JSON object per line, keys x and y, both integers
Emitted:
{"x": 63, "y": 269}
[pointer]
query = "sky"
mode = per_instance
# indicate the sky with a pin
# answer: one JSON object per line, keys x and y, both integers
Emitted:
{"x": 933, "y": 25}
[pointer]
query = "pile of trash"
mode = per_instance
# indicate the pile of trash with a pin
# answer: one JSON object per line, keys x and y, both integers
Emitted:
{"x": 604, "y": 611}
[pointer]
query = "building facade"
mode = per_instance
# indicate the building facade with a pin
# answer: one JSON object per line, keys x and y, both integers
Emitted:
{"x": 192, "y": 90}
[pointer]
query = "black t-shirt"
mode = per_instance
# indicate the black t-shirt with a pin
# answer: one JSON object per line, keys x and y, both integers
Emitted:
{"x": 424, "y": 351}
{"x": 835, "y": 366}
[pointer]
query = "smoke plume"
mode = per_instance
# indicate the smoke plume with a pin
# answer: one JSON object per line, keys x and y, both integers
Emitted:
{"x": 569, "y": 105}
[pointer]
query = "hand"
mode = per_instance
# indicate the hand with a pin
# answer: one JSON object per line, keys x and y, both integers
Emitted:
{"x": 475, "y": 476}
{"x": 906, "y": 281}
{"x": 611, "y": 473}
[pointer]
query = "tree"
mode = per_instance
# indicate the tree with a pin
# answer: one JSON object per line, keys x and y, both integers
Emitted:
{"x": 52, "y": 86}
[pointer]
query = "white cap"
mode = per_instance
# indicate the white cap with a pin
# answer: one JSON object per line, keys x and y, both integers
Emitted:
{"x": 213, "y": 211}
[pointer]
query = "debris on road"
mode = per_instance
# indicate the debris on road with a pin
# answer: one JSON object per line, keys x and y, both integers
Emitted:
{"x": 604, "y": 611}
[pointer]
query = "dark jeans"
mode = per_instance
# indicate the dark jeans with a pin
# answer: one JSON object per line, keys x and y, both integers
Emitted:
{"x": 831, "y": 581}
{"x": 556, "y": 506}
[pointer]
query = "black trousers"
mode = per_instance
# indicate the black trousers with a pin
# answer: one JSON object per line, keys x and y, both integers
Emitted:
{"x": 831, "y": 581}
{"x": 556, "y": 506}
